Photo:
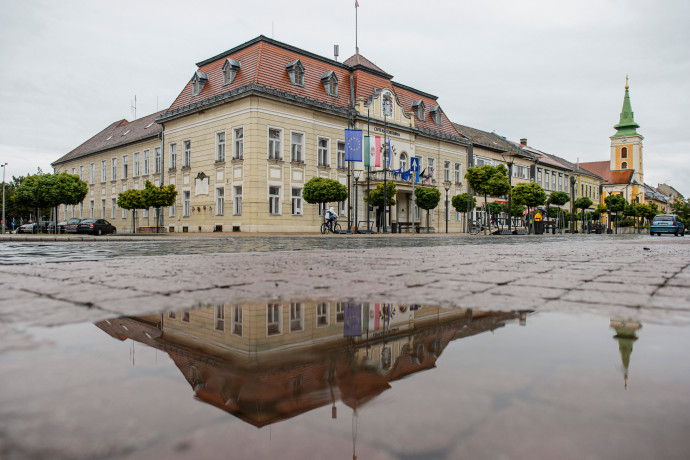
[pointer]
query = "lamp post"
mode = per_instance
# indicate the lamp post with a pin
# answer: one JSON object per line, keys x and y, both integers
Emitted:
{"x": 3, "y": 197}
{"x": 446, "y": 185}
{"x": 355, "y": 175}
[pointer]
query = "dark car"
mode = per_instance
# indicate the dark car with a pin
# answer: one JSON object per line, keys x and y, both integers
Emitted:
{"x": 61, "y": 226}
{"x": 46, "y": 227}
{"x": 71, "y": 226}
{"x": 27, "y": 228}
{"x": 667, "y": 223}
{"x": 95, "y": 226}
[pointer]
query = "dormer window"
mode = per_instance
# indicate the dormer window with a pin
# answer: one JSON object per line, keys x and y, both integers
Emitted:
{"x": 418, "y": 107}
{"x": 330, "y": 83}
{"x": 435, "y": 113}
{"x": 126, "y": 132}
{"x": 230, "y": 69}
{"x": 198, "y": 82}
{"x": 295, "y": 70}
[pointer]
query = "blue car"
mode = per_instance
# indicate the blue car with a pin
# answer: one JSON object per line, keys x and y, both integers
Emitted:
{"x": 667, "y": 223}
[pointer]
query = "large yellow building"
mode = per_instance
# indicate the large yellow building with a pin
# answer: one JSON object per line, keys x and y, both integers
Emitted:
{"x": 252, "y": 126}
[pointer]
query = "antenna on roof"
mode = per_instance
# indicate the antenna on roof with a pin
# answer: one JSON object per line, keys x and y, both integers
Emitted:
{"x": 134, "y": 106}
{"x": 272, "y": 29}
{"x": 336, "y": 51}
{"x": 156, "y": 103}
{"x": 356, "y": 44}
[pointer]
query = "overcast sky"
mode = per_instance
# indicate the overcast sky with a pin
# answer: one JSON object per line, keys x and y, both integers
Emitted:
{"x": 551, "y": 71}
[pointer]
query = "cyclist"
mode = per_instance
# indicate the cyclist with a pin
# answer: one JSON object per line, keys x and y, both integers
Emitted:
{"x": 330, "y": 217}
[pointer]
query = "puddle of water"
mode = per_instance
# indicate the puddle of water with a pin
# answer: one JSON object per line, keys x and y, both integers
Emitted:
{"x": 333, "y": 380}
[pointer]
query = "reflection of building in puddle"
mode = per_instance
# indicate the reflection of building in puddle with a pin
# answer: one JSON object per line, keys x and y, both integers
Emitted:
{"x": 266, "y": 363}
{"x": 625, "y": 336}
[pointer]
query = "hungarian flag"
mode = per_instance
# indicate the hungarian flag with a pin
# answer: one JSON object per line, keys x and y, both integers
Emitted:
{"x": 356, "y": 4}
{"x": 378, "y": 152}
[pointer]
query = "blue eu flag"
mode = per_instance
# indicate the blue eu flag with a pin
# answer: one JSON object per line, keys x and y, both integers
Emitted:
{"x": 353, "y": 145}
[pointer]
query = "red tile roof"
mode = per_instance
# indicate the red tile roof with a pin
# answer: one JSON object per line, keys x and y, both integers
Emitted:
{"x": 602, "y": 169}
{"x": 359, "y": 60}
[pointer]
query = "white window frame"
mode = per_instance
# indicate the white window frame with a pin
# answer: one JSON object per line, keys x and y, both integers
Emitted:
{"x": 104, "y": 170}
{"x": 402, "y": 162}
{"x": 237, "y": 200}
{"x": 323, "y": 317}
{"x": 296, "y": 201}
{"x": 220, "y": 201}
{"x": 137, "y": 164}
{"x": 173, "y": 155}
{"x": 186, "y": 203}
{"x": 339, "y": 312}
{"x": 92, "y": 178}
{"x": 236, "y": 320}
{"x": 296, "y": 317}
{"x": 296, "y": 148}
{"x": 219, "y": 318}
{"x": 431, "y": 165}
{"x": 102, "y": 208}
{"x": 273, "y": 144}
{"x": 125, "y": 166}
{"x": 113, "y": 209}
{"x": 274, "y": 319}
{"x": 113, "y": 170}
{"x": 147, "y": 158}
{"x": 92, "y": 208}
{"x": 187, "y": 153}
{"x": 340, "y": 154}
{"x": 274, "y": 199}
{"x": 323, "y": 153}
{"x": 157, "y": 160}
{"x": 81, "y": 172}
{"x": 446, "y": 171}
{"x": 238, "y": 143}
{"x": 458, "y": 173}
{"x": 220, "y": 146}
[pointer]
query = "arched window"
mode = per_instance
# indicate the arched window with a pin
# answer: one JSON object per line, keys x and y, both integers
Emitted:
{"x": 403, "y": 161}
{"x": 624, "y": 165}
{"x": 624, "y": 152}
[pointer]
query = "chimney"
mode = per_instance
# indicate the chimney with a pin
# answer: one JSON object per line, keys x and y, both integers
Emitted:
{"x": 523, "y": 141}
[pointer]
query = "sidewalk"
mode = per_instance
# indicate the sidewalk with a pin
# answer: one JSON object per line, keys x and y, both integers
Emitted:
{"x": 648, "y": 279}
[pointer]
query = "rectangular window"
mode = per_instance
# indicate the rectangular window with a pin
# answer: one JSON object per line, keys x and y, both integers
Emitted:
{"x": 113, "y": 172}
{"x": 219, "y": 318}
{"x": 81, "y": 172}
{"x": 274, "y": 200}
{"x": 173, "y": 156}
{"x": 137, "y": 169}
{"x": 238, "y": 153}
{"x": 446, "y": 171}
{"x": 296, "y": 201}
{"x": 185, "y": 204}
{"x": 157, "y": 160}
{"x": 92, "y": 177}
{"x": 296, "y": 147}
{"x": 339, "y": 312}
{"x": 430, "y": 167}
{"x": 560, "y": 181}
{"x": 553, "y": 180}
{"x": 220, "y": 200}
{"x": 237, "y": 201}
{"x": 185, "y": 317}
{"x": 539, "y": 176}
{"x": 187, "y": 159}
{"x": 102, "y": 208}
{"x": 173, "y": 211}
{"x": 274, "y": 144}
{"x": 125, "y": 166}
{"x": 74, "y": 171}
{"x": 146, "y": 213}
{"x": 322, "y": 314}
{"x": 147, "y": 161}
{"x": 274, "y": 324}
{"x": 296, "y": 317}
{"x": 81, "y": 210}
{"x": 458, "y": 173}
{"x": 342, "y": 208}
{"x": 104, "y": 170}
{"x": 340, "y": 155}
{"x": 237, "y": 320}
{"x": 113, "y": 206}
{"x": 220, "y": 146}
{"x": 323, "y": 152}
{"x": 92, "y": 205}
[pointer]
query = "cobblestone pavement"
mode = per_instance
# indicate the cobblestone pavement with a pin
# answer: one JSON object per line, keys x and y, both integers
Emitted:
{"x": 643, "y": 278}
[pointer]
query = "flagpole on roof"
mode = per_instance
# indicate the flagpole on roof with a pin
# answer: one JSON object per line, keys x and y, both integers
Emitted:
{"x": 356, "y": 28}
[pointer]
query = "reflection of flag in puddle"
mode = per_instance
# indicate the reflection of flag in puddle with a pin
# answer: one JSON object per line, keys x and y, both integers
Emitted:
{"x": 353, "y": 320}
{"x": 374, "y": 315}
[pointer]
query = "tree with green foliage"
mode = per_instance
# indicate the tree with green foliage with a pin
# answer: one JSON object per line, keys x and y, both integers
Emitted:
{"x": 459, "y": 202}
{"x": 615, "y": 203}
{"x": 132, "y": 200}
{"x": 531, "y": 195}
{"x": 320, "y": 190}
{"x": 488, "y": 181}
{"x": 376, "y": 195}
{"x": 681, "y": 207}
{"x": 583, "y": 203}
{"x": 158, "y": 197}
{"x": 649, "y": 211}
{"x": 427, "y": 198}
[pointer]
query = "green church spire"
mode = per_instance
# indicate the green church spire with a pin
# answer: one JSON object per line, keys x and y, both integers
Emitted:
{"x": 627, "y": 125}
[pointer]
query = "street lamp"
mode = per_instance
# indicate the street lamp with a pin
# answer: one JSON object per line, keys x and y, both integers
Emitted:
{"x": 356, "y": 175}
{"x": 3, "y": 197}
{"x": 446, "y": 185}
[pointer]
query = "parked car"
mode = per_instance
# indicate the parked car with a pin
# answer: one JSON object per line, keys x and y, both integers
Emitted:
{"x": 61, "y": 226}
{"x": 27, "y": 228}
{"x": 46, "y": 227}
{"x": 667, "y": 223}
{"x": 95, "y": 226}
{"x": 71, "y": 226}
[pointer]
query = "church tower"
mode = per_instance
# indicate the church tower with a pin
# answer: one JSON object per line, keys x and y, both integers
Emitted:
{"x": 626, "y": 148}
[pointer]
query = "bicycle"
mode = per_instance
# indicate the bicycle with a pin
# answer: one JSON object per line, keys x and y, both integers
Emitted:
{"x": 475, "y": 227}
{"x": 330, "y": 226}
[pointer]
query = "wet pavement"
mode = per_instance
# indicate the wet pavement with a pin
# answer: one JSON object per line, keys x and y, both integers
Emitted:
{"x": 381, "y": 347}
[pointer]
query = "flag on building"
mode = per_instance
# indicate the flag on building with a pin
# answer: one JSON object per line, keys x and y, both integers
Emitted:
{"x": 367, "y": 152}
{"x": 353, "y": 145}
{"x": 378, "y": 152}
{"x": 356, "y": 4}
{"x": 406, "y": 174}
{"x": 353, "y": 320}
{"x": 390, "y": 153}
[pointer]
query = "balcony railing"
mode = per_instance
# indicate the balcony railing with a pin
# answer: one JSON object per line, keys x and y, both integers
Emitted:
{"x": 379, "y": 176}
